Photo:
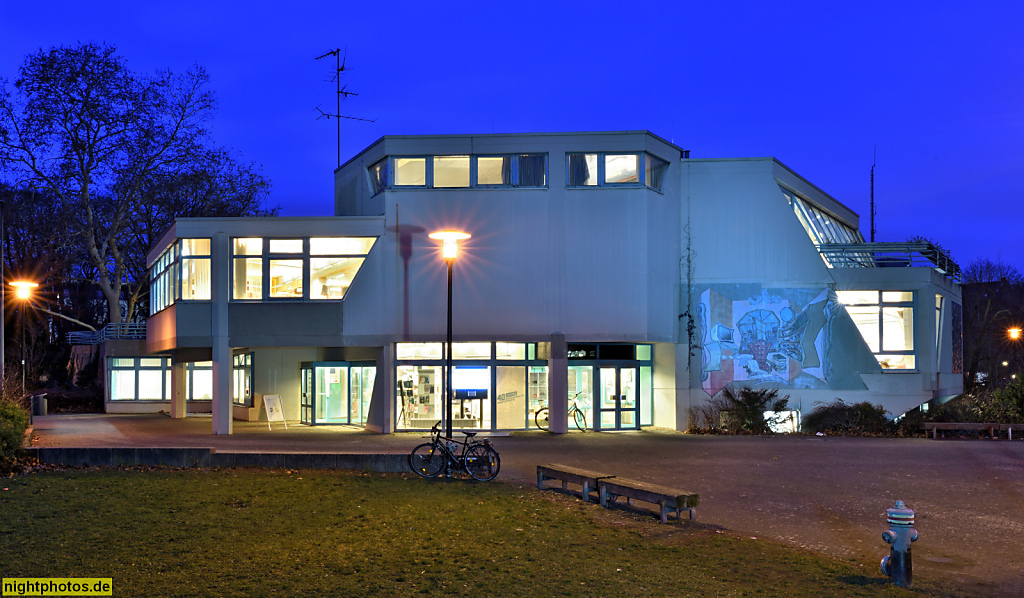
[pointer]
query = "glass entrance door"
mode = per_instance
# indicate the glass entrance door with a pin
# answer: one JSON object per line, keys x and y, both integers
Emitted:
{"x": 618, "y": 407}
{"x": 336, "y": 392}
{"x": 331, "y": 392}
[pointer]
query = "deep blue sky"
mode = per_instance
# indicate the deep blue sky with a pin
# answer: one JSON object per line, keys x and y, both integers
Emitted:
{"x": 938, "y": 87}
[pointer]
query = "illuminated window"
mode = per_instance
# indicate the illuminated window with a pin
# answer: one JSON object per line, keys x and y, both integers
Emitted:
{"x": 247, "y": 264}
{"x": 885, "y": 320}
{"x": 331, "y": 264}
{"x": 611, "y": 169}
{"x": 410, "y": 172}
{"x": 182, "y": 272}
{"x": 451, "y": 171}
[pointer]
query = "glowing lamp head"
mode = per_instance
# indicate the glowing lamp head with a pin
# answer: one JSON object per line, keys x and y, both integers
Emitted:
{"x": 449, "y": 243}
{"x": 1014, "y": 333}
{"x": 23, "y": 288}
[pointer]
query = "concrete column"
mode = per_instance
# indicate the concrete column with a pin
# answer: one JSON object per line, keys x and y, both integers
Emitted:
{"x": 381, "y": 417}
{"x": 684, "y": 400}
{"x": 220, "y": 292}
{"x": 178, "y": 396}
{"x": 558, "y": 385}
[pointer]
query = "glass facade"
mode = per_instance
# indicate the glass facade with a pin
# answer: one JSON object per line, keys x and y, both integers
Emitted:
{"x": 502, "y": 385}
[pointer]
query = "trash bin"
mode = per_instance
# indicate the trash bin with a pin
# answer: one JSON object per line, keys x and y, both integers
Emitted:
{"x": 39, "y": 404}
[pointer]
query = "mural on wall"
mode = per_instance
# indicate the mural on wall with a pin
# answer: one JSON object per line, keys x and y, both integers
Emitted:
{"x": 774, "y": 338}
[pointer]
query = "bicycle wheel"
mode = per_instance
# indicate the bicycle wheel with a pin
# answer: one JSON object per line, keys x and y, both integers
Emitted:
{"x": 426, "y": 461}
{"x": 541, "y": 418}
{"x": 482, "y": 462}
{"x": 580, "y": 419}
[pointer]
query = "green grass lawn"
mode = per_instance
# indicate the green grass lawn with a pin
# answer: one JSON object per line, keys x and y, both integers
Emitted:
{"x": 242, "y": 532}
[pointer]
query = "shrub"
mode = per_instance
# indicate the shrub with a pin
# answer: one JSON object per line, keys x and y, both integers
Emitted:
{"x": 839, "y": 418}
{"x": 13, "y": 423}
{"x": 743, "y": 410}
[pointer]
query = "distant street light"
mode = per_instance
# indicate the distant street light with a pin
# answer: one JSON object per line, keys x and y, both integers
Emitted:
{"x": 449, "y": 253}
{"x": 23, "y": 291}
{"x": 1014, "y": 334}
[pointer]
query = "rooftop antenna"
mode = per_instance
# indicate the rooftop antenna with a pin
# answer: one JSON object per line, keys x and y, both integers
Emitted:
{"x": 873, "y": 160}
{"x": 339, "y": 66}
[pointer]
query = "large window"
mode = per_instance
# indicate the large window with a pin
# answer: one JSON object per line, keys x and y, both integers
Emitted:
{"x": 182, "y": 272}
{"x": 314, "y": 268}
{"x": 461, "y": 171}
{"x": 139, "y": 378}
{"x": 490, "y": 382}
{"x": 886, "y": 321}
{"x": 615, "y": 170}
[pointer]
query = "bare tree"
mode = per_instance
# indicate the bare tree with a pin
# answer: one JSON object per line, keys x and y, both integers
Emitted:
{"x": 986, "y": 270}
{"x": 101, "y": 139}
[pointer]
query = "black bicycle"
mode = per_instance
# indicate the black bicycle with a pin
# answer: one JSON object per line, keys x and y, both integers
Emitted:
{"x": 476, "y": 457}
{"x": 575, "y": 414}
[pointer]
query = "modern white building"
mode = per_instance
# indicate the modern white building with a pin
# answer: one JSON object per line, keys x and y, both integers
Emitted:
{"x": 605, "y": 269}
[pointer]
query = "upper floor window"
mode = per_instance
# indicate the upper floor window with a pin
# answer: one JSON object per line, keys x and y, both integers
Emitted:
{"x": 379, "y": 176}
{"x": 182, "y": 272}
{"x": 615, "y": 169}
{"x": 461, "y": 171}
{"x": 307, "y": 268}
{"x": 886, "y": 321}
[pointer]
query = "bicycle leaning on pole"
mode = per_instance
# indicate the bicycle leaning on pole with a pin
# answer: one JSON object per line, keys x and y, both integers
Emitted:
{"x": 575, "y": 414}
{"x": 476, "y": 457}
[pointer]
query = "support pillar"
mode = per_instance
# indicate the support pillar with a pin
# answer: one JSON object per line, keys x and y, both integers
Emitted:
{"x": 558, "y": 385}
{"x": 179, "y": 377}
{"x": 220, "y": 291}
{"x": 381, "y": 416}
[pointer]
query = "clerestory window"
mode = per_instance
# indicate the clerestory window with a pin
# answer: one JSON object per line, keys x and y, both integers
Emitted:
{"x": 607, "y": 169}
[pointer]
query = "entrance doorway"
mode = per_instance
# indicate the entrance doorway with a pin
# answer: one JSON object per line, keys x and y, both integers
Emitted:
{"x": 619, "y": 406}
{"x": 336, "y": 392}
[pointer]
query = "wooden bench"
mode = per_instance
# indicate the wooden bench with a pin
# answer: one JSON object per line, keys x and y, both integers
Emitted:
{"x": 584, "y": 477}
{"x": 992, "y": 429}
{"x": 667, "y": 499}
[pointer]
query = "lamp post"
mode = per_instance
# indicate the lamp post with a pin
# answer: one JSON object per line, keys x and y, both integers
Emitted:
{"x": 449, "y": 253}
{"x": 23, "y": 291}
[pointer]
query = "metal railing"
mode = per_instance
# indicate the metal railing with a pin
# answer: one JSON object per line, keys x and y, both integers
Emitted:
{"x": 890, "y": 255}
{"x": 130, "y": 330}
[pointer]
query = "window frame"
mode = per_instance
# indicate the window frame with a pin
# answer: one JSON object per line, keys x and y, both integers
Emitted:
{"x": 643, "y": 172}
{"x": 881, "y": 306}
{"x": 515, "y": 174}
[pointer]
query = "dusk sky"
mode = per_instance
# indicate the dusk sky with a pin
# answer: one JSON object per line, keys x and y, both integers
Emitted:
{"x": 938, "y": 87}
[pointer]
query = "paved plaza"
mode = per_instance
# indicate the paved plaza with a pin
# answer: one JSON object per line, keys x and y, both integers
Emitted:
{"x": 826, "y": 494}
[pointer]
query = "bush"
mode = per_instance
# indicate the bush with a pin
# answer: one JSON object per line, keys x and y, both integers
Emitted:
{"x": 743, "y": 410}
{"x": 13, "y": 423}
{"x": 839, "y": 418}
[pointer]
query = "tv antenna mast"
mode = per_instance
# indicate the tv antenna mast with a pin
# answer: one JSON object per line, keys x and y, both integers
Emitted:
{"x": 873, "y": 160}
{"x": 339, "y": 68}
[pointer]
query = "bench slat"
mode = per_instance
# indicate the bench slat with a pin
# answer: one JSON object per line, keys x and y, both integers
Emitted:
{"x": 651, "y": 493}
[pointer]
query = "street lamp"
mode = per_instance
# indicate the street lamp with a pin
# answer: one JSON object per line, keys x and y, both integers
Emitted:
{"x": 449, "y": 253}
{"x": 1014, "y": 335}
{"x": 23, "y": 291}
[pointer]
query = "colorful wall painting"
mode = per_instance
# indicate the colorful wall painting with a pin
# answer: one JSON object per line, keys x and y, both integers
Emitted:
{"x": 779, "y": 337}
